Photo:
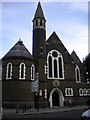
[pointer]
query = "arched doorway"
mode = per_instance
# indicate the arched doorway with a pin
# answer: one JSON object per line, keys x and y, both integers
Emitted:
{"x": 56, "y": 98}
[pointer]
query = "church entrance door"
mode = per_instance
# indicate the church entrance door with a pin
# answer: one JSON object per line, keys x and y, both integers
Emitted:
{"x": 55, "y": 99}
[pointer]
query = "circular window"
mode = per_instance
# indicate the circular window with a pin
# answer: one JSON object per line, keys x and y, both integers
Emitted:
{"x": 55, "y": 54}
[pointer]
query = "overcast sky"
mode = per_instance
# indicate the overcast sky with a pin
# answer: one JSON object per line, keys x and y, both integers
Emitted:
{"x": 68, "y": 19}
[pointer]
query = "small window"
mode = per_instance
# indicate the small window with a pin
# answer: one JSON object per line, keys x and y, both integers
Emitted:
{"x": 9, "y": 71}
{"x": 44, "y": 24}
{"x": 41, "y": 50}
{"x": 68, "y": 92}
{"x": 40, "y": 22}
{"x": 88, "y": 92}
{"x": 36, "y": 22}
{"x": 80, "y": 92}
{"x": 85, "y": 92}
{"x": 22, "y": 71}
{"x": 32, "y": 72}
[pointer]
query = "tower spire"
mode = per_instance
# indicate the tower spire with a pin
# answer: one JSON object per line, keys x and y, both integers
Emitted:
{"x": 39, "y": 12}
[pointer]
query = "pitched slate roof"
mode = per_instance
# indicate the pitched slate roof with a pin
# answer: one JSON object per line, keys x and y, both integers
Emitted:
{"x": 54, "y": 39}
{"x": 75, "y": 57}
{"x": 39, "y": 12}
{"x": 55, "y": 43}
{"x": 18, "y": 51}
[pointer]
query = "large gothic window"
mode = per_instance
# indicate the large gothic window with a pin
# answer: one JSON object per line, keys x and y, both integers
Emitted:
{"x": 9, "y": 71}
{"x": 55, "y": 65}
{"x": 77, "y": 72}
{"x": 22, "y": 71}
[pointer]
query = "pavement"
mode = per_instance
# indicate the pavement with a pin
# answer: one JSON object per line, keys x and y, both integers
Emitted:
{"x": 44, "y": 110}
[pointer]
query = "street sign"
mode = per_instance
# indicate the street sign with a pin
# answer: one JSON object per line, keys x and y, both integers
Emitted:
{"x": 35, "y": 86}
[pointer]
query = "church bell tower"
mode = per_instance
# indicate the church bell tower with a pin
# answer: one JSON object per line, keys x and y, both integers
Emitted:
{"x": 39, "y": 33}
{"x": 39, "y": 45}
{"x": 39, "y": 49}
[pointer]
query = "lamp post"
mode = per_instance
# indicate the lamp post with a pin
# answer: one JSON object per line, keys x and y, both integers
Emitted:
{"x": 36, "y": 92}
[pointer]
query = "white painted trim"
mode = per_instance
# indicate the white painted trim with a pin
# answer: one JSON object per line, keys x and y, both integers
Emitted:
{"x": 45, "y": 69}
{"x": 61, "y": 97}
{"x": 57, "y": 58}
{"x": 8, "y": 71}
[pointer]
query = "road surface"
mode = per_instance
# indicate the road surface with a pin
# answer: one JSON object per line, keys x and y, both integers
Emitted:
{"x": 68, "y": 115}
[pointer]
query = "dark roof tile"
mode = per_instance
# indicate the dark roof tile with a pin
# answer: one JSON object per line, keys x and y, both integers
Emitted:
{"x": 18, "y": 51}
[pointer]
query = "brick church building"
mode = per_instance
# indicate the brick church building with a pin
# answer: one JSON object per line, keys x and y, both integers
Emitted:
{"x": 50, "y": 75}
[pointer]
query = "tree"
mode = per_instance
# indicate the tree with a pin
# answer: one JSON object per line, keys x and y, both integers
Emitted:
{"x": 86, "y": 63}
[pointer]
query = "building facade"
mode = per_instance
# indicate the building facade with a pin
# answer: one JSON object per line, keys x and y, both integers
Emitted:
{"x": 50, "y": 75}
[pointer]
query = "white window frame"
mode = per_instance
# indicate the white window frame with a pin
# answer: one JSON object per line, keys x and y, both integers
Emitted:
{"x": 68, "y": 91}
{"x": 78, "y": 74}
{"x": 81, "y": 93}
{"x": 88, "y": 92}
{"x": 85, "y": 92}
{"x": 33, "y": 73}
{"x": 8, "y": 71}
{"x": 45, "y": 69}
{"x": 57, "y": 59}
{"x": 20, "y": 71}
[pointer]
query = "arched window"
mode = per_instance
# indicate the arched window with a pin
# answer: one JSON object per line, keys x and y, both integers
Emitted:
{"x": 32, "y": 72}
{"x": 9, "y": 71}
{"x": 22, "y": 71}
{"x": 55, "y": 65}
{"x": 77, "y": 73}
